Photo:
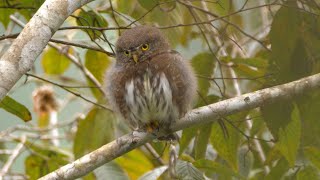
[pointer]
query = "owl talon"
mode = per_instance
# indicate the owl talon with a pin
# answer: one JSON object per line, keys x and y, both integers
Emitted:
{"x": 153, "y": 127}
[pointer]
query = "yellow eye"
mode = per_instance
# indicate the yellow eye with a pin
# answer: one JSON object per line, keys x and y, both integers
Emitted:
{"x": 145, "y": 47}
{"x": 127, "y": 53}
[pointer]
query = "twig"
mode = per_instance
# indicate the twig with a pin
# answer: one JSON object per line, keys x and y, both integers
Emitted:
{"x": 66, "y": 89}
{"x": 13, "y": 157}
{"x": 154, "y": 153}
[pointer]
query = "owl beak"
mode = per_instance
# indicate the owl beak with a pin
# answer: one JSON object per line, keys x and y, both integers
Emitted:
{"x": 135, "y": 58}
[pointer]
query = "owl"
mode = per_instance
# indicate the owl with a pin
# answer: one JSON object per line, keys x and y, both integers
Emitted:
{"x": 150, "y": 85}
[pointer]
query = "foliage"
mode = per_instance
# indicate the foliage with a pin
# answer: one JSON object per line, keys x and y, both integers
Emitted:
{"x": 234, "y": 47}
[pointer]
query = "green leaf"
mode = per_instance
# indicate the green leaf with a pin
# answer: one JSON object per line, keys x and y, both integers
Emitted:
{"x": 25, "y": 7}
{"x": 295, "y": 43}
{"x": 202, "y": 140}
{"x": 309, "y": 104}
{"x": 154, "y": 174}
{"x": 277, "y": 115}
{"x": 308, "y": 173}
{"x": 203, "y": 65}
{"x": 148, "y": 4}
{"x": 4, "y": 16}
{"x": 187, "y": 135}
{"x": 15, "y": 108}
{"x": 54, "y": 62}
{"x": 309, "y": 31}
{"x": 110, "y": 169}
{"x": 289, "y": 138}
{"x": 37, "y": 166}
{"x": 227, "y": 148}
{"x": 278, "y": 171}
{"x": 91, "y": 18}
{"x": 96, "y": 63}
{"x": 94, "y": 131}
{"x": 313, "y": 154}
{"x": 200, "y": 132}
{"x": 186, "y": 171}
{"x": 283, "y": 36}
{"x": 135, "y": 163}
{"x": 210, "y": 167}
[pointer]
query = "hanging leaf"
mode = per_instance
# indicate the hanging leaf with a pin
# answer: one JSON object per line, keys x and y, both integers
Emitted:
{"x": 99, "y": 124}
{"x": 284, "y": 34}
{"x": 202, "y": 140}
{"x": 187, "y": 135}
{"x": 277, "y": 115}
{"x": 227, "y": 148}
{"x": 309, "y": 104}
{"x": 203, "y": 65}
{"x": 44, "y": 162}
{"x": 278, "y": 171}
{"x": 135, "y": 163}
{"x": 211, "y": 167}
{"x": 15, "y": 108}
{"x": 93, "y": 19}
{"x": 148, "y": 4}
{"x": 289, "y": 138}
{"x": 54, "y": 62}
{"x": 96, "y": 63}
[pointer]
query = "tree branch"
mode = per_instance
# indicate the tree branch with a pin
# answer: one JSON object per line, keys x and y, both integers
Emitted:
{"x": 21, "y": 55}
{"x": 205, "y": 114}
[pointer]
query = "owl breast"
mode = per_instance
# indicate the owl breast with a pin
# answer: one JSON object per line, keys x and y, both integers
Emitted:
{"x": 149, "y": 99}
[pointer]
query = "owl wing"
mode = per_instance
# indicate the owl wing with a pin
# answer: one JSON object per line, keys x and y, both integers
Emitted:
{"x": 181, "y": 78}
{"x": 115, "y": 83}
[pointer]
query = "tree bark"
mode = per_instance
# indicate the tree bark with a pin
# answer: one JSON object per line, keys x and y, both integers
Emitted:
{"x": 205, "y": 114}
{"x": 21, "y": 55}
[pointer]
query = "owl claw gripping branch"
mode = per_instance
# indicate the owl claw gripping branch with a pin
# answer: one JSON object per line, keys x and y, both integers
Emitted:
{"x": 149, "y": 85}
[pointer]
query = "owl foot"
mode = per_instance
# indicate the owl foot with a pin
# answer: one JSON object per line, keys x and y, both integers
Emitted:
{"x": 173, "y": 137}
{"x": 152, "y": 127}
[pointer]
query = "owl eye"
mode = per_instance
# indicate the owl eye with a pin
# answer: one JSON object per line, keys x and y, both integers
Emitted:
{"x": 127, "y": 53}
{"x": 145, "y": 47}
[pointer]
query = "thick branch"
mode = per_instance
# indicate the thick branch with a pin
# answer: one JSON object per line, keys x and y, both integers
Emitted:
{"x": 20, "y": 57}
{"x": 204, "y": 114}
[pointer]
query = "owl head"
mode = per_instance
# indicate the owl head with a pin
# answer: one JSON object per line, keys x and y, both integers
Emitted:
{"x": 136, "y": 44}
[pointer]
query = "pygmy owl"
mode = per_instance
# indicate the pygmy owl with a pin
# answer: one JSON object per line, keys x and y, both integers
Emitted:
{"x": 149, "y": 85}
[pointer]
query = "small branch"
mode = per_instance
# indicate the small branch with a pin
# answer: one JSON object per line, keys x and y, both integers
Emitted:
{"x": 73, "y": 59}
{"x": 15, "y": 153}
{"x": 201, "y": 115}
{"x": 66, "y": 89}
{"x": 5, "y": 151}
{"x": 154, "y": 153}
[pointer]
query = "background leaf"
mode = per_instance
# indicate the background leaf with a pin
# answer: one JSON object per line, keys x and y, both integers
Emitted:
{"x": 94, "y": 131}
{"x": 91, "y": 18}
{"x": 54, "y": 62}
{"x": 289, "y": 138}
{"x": 97, "y": 63}
{"x": 14, "y": 107}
